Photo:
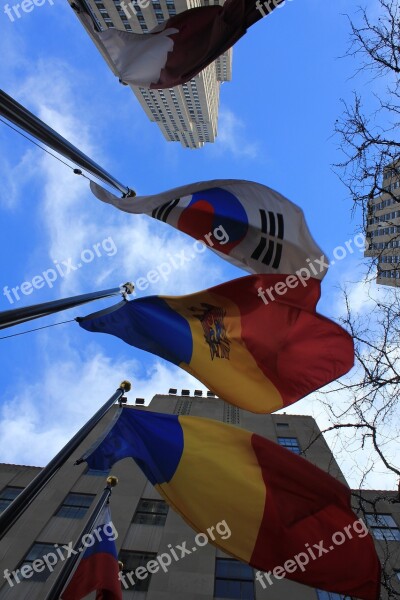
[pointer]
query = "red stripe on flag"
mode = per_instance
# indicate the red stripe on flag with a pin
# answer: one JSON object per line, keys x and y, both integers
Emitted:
{"x": 301, "y": 350}
{"x": 304, "y": 505}
{"x": 99, "y": 572}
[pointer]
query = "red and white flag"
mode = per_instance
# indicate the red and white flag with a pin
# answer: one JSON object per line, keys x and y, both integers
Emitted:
{"x": 178, "y": 49}
{"x": 246, "y": 223}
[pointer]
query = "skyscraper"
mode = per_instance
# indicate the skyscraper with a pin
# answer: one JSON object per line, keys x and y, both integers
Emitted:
{"x": 383, "y": 229}
{"x": 189, "y": 113}
{"x": 147, "y": 528}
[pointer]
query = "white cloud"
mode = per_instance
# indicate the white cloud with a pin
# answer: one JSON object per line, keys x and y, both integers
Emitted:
{"x": 355, "y": 277}
{"x": 14, "y": 179}
{"x": 363, "y": 296}
{"x": 232, "y": 136}
{"x": 67, "y": 393}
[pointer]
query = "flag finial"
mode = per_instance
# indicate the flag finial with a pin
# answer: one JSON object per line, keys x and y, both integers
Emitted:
{"x": 127, "y": 289}
{"x": 126, "y": 385}
{"x": 112, "y": 481}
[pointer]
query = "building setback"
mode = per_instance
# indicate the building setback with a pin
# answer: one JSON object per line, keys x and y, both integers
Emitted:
{"x": 383, "y": 229}
{"x": 188, "y": 113}
{"x": 147, "y": 527}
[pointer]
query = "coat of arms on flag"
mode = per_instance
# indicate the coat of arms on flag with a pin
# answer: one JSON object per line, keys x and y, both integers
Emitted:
{"x": 212, "y": 320}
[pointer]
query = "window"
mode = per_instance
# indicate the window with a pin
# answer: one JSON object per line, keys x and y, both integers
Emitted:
{"x": 330, "y": 596}
{"x": 233, "y": 579}
{"x": 97, "y": 472}
{"x": 231, "y": 414}
{"x": 75, "y": 506}
{"x": 8, "y": 495}
{"x": 282, "y": 424}
{"x": 151, "y": 512}
{"x": 383, "y": 527}
{"x": 291, "y": 443}
{"x": 182, "y": 406}
{"x": 131, "y": 561}
{"x": 37, "y": 551}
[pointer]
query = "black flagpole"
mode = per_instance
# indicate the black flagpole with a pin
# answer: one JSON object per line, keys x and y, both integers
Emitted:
{"x": 24, "y": 119}
{"x": 8, "y": 318}
{"x": 24, "y": 499}
{"x": 71, "y": 562}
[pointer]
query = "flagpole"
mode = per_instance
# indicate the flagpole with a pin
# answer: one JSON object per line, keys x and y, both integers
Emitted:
{"x": 71, "y": 562}
{"x": 8, "y": 318}
{"x": 28, "y": 122}
{"x": 18, "y": 506}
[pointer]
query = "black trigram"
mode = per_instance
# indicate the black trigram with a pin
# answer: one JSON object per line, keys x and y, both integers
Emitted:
{"x": 162, "y": 212}
{"x": 269, "y": 251}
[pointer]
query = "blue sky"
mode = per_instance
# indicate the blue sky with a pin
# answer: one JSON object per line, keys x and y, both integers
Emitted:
{"x": 276, "y": 126}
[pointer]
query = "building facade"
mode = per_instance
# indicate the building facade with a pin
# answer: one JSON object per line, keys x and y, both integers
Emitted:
{"x": 148, "y": 528}
{"x": 383, "y": 229}
{"x": 188, "y": 113}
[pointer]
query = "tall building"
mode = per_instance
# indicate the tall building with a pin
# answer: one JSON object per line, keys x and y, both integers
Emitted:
{"x": 383, "y": 229}
{"x": 189, "y": 113}
{"x": 147, "y": 528}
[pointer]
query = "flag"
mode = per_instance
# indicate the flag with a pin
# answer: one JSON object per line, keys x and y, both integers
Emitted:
{"x": 178, "y": 49}
{"x": 277, "y": 506}
{"x": 98, "y": 570}
{"x": 247, "y": 223}
{"x": 260, "y": 357}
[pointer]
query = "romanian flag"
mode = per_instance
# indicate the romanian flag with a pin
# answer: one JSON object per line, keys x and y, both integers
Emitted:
{"x": 178, "y": 49}
{"x": 98, "y": 570}
{"x": 259, "y": 356}
{"x": 246, "y": 223}
{"x": 281, "y": 510}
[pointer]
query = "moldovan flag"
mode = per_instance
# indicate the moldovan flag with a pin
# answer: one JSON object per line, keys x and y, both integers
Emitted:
{"x": 98, "y": 570}
{"x": 179, "y": 48}
{"x": 278, "y": 508}
{"x": 247, "y": 223}
{"x": 260, "y": 357}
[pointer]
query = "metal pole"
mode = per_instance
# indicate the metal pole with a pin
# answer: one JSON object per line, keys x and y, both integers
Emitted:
{"x": 8, "y": 318}
{"x": 71, "y": 562}
{"x": 23, "y": 118}
{"x": 24, "y": 499}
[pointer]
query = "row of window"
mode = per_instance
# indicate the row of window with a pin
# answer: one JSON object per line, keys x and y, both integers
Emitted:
{"x": 383, "y": 245}
{"x": 154, "y": 512}
{"x": 392, "y": 186}
{"x": 389, "y": 259}
{"x": 75, "y": 506}
{"x": 385, "y": 231}
{"x": 387, "y": 217}
{"x": 384, "y": 204}
{"x": 135, "y": 10}
{"x": 389, "y": 274}
{"x": 233, "y": 579}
